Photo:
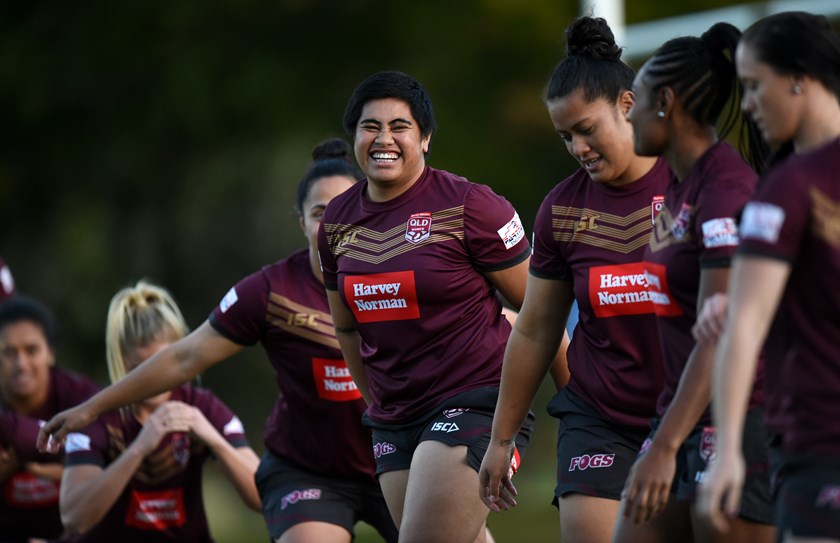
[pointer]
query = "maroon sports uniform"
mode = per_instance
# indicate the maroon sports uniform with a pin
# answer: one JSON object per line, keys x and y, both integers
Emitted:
{"x": 163, "y": 500}
{"x": 29, "y": 504}
{"x": 696, "y": 229}
{"x": 594, "y": 235}
{"x": 410, "y": 271}
{"x": 316, "y": 421}
{"x": 795, "y": 217}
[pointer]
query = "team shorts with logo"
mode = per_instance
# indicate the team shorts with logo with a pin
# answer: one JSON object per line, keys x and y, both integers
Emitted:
{"x": 464, "y": 419}
{"x": 594, "y": 455}
{"x": 292, "y": 495}
{"x": 808, "y": 502}
{"x": 699, "y": 449}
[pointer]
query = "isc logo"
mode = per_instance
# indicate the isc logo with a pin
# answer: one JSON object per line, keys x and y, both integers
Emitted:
{"x": 594, "y": 461}
{"x": 445, "y": 427}
{"x": 302, "y": 319}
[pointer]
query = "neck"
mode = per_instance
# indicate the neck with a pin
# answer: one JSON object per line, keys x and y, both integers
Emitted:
{"x": 142, "y": 410}
{"x": 820, "y": 123}
{"x": 638, "y": 168}
{"x": 687, "y": 148}
{"x": 383, "y": 192}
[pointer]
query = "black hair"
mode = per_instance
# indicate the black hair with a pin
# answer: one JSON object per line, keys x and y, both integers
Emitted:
{"x": 391, "y": 84}
{"x": 593, "y": 63}
{"x": 23, "y": 308}
{"x": 330, "y": 157}
{"x": 701, "y": 72}
{"x": 796, "y": 43}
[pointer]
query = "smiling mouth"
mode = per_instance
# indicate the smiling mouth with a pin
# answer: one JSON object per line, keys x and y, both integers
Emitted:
{"x": 384, "y": 158}
{"x": 589, "y": 163}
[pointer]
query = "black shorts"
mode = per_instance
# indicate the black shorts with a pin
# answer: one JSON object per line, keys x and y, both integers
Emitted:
{"x": 292, "y": 495}
{"x": 699, "y": 449}
{"x": 594, "y": 455}
{"x": 465, "y": 419}
{"x": 808, "y": 502}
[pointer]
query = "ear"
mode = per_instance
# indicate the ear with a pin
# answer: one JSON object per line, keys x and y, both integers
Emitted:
{"x": 51, "y": 361}
{"x": 626, "y": 100}
{"x": 665, "y": 100}
{"x": 425, "y": 142}
{"x": 302, "y": 225}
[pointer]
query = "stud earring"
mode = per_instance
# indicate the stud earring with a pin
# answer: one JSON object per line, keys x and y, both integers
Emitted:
{"x": 797, "y": 88}
{"x": 660, "y": 114}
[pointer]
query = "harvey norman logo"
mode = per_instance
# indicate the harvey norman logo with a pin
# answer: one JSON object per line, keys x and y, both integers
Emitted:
{"x": 382, "y": 296}
{"x": 619, "y": 290}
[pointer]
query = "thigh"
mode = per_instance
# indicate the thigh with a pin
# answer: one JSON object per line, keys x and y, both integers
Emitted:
{"x": 441, "y": 501}
{"x": 394, "y": 485}
{"x": 306, "y": 532}
{"x": 672, "y": 524}
{"x": 586, "y": 518}
{"x": 376, "y": 513}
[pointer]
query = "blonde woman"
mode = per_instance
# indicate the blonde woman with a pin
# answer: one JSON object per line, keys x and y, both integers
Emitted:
{"x": 135, "y": 473}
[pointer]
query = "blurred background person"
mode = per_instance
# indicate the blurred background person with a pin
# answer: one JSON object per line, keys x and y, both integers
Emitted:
{"x": 135, "y": 474}
{"x": 31, "y": 385}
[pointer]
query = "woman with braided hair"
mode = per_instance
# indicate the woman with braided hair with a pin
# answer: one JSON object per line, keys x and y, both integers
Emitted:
{"x": 682, "y": 93}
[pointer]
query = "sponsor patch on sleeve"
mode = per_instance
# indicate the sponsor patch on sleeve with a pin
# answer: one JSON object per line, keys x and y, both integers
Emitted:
{"x": 512, "y": 232}
{"x": 722, "y": 232}
{"x": 234, "y": 426}
{"x": 76, "y": 442}
{"x": 229, "y": 299}
{"x": 762, "y": 221}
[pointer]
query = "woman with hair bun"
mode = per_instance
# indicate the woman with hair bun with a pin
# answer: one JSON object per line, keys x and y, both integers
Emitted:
{"x": 683, "y": 93}
{"x": 316, "y": 477}
{"x": 134, "y": 475}
{"x": 589, "y": 239}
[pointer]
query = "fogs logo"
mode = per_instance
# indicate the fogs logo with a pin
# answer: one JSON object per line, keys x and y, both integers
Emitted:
{"x": 298, "y": 495}
{"x": 586, "y": 461}
{"x": 418, "y": 227}
{"x": 383, "y": 448}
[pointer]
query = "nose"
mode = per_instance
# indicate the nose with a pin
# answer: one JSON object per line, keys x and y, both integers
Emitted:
{"x": 578, "y": 147}
{"x": 384, "y": 136}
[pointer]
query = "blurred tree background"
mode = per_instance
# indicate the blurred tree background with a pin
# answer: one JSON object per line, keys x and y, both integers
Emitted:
{"x": 165, "y": 140}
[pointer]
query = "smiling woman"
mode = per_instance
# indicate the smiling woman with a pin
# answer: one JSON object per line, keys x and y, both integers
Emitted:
{"x": 413, "y": 258}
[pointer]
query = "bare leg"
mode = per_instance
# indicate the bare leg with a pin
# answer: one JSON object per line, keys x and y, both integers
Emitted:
{"x": 314, "y": 531}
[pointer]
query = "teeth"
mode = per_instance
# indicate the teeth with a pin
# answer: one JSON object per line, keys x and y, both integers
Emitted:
{"x": 385, "y": 156}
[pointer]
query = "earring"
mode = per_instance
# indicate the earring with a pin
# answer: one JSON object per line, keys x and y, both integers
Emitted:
{"x": 660, "y": 114}
{"x": 797, "y": 88}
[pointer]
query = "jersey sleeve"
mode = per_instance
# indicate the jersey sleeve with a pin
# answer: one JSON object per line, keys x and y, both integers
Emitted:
{"x": 19, "y": 433}
{"x": 329, "y": 268}
{"x": 716, "y": 225}
{"x": 87, "y": 446}
{"x": 547, "y": 262}
{"x": 775, "y": 221}
{"x": 493, "y": 231}
{"x": 240, "y": 315}
{"x": 221, "y": 417}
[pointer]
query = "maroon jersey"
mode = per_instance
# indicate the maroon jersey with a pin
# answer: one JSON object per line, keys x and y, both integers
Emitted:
{"x": 316, "y": 421}
{"x": 410, "y": 271}
{"x": 795, "y": 217}
{"x": 163, "y": 501}
{"x": 28, "y": 503}
{"x": 594, "y": 235}
{"x": 696, "y": 229}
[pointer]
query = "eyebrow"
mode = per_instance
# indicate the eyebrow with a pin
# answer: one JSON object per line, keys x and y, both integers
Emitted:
{"x": 392, "y": 121}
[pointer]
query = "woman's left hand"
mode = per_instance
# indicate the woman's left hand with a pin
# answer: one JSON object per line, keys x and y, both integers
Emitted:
{"x": 648, "y": 485}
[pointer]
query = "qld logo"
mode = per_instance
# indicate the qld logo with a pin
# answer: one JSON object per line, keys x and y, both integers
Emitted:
{"x": 419, "y": 227}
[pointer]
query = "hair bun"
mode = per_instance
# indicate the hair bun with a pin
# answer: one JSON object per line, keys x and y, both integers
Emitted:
{"x": 333, "y": 148}
{"x": 592, "y": 36}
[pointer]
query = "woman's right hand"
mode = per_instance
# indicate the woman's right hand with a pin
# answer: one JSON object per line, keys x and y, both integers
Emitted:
{"x": 169, "y": 417}
{"x": 712, "y": 319}
{"x": 51, "y": 436}
{"x": 494, "y": 485}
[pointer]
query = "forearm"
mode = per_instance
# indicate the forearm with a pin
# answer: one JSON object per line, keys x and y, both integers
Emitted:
{"x": 85, "y": 503}
{"x": 560, "y": 365}
{"x": 350, "y": 341}
{"x": 239, "y": 466}
{"x": 527, "y": 360}
{"x": 690, "y": 400}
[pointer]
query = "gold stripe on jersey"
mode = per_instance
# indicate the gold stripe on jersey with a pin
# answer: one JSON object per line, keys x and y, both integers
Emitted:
{"x": 826, "y": 222}
{"x": 316, "y": 326}
{"x": 662, "y": 235}
{"x": 617, "y": 233}
{"x": 366, "y": 245}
